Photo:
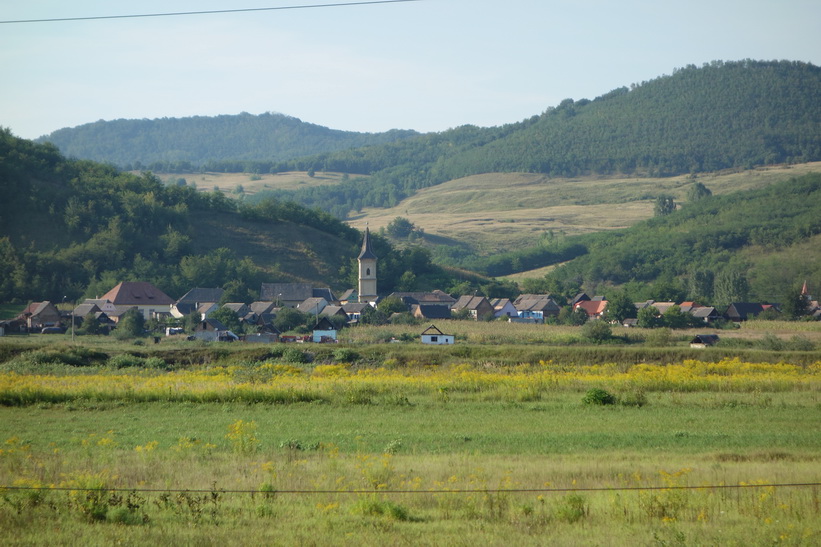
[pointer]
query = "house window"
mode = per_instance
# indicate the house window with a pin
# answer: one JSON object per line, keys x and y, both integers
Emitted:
{"x": 368, "y": 271}
{"x": 434, "y": 338}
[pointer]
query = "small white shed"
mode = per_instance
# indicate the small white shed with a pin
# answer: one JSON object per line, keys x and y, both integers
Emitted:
{"x": 432, "y": 335}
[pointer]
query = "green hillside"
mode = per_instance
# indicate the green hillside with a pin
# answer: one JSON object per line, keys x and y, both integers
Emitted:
{"x": 76, "y": 228}
{"x": 751, "y": 244}
{"x": 178, "y": 144}
{"x": 719, "y": 116}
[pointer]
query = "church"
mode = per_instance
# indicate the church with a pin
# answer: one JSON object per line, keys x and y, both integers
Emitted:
{"x": 367, "y": 271}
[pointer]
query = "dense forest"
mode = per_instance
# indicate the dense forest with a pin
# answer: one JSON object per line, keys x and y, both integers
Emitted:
{"x": 75, "y": 228}
{"x": 219, "y": 143}
{"x": 719, "y": 249}
{"x": 720, "y": 115}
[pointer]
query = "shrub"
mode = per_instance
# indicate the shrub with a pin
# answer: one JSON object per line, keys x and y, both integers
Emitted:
{"x": 345, "y": 355}
{"x": 598, "y": 396}
{"x": 376, "y": 508}
{"x": 597, "y": 331}
{"x": 294, "y": 355}
{"x": 125, "y": 360}
{"x": 572, "y": 509}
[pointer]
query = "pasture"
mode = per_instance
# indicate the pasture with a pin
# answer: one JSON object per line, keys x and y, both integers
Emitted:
{"x": 499, "y": 211}
{"x": 389, "y": 443}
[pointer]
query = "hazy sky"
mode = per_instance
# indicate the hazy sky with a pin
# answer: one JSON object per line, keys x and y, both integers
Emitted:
{"x": 428, "y": 65}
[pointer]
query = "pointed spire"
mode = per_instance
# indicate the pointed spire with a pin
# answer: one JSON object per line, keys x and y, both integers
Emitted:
{"x": 367, "y": 251}
{"x": 804, "y": 291}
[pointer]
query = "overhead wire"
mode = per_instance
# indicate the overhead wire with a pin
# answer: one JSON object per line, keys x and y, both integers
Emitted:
{"x": 203, "y": 12}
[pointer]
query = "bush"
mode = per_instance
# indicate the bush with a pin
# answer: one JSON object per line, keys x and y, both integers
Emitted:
{"x": 598, "y": 396}
{"x": 572, "y": 509}
{"x": 125, "y": 360}
{"x": 597, "y": 331}
{"x": 345, "y": 355}
{"x": 294, "y": 355}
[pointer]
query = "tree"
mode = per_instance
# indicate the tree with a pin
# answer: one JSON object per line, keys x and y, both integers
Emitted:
{"x": 90, "y": 325}
{"x": 674, "y": 318}
{"x": 391, "y": 305}
{"x": 664, "y": 205}
{"x": 730, "y": 286}
{"x": 400, "y": 228}
{"x": 407, "y": 283}
{"x": 131, "y": 324}
{"x": 697, "y": 192}
{"x": 794, "y": 305}
{"x": 648, "y": 318}
{"x": 620, "y": 307}
{"x": 289, "y": 319}
{"x": 372, "y": 316}
{"x": 227, "y": 317}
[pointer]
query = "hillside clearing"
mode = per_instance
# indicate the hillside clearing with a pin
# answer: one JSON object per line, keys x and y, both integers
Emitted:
{"x": 495, "y": 212}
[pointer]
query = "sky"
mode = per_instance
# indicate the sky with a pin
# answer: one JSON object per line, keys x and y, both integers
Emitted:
{"x": 427, "y": 65}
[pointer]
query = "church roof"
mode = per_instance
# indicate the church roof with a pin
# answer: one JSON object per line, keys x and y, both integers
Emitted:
{"x": 367, "y": 250}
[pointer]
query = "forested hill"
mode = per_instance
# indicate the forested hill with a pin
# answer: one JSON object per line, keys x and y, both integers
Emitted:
{"x": 752, "y": 244}
{"x": 183, "y": 144}
{"x": 75, "y": 228}
{"x": 721, "y": 115}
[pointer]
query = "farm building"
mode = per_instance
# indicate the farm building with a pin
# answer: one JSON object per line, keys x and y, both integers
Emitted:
{"x": 432, "y": 335}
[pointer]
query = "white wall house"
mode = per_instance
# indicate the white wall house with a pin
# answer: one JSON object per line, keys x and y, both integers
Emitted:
{"x": 432, "y": 335}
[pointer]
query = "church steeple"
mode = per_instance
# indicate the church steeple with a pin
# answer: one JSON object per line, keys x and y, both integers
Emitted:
{"x": 367, "y": 270}
{"x": 367, "y": 251}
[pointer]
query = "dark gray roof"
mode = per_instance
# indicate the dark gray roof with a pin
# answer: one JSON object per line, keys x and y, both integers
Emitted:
{"x": 367, "y": 250}
{"x": 285, "y": 291}
{"x": 260, "y": 307}
{"x": 197, "y": 295}
{"x": 432, "y": 311}
{"x": 85, "y": 308}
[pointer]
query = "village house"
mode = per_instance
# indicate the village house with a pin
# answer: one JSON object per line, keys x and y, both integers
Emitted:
{"x": 39, "y": 315}
{"x": 312, "y": 306}
{"x": 478, "y": 307}
{"x": 290, "y": 295}
{"x": 430, "y": 311}
{"x": 194, "y": 299}
{"x": 434, "y": 336}
{"x": 213, "y": 330}
{"x": 503, "y": 307}
{"x": 741, "y": 311}
{"x": 354, "y": 310}
{"x": 324, "y": 331}
{"x": 702, "y": 341}
{"x": 593, "y": 308}
{"x": 536, "y": 307}
{"x": 333, "y": 310}
{"x": 148, "y": 299}
{"x": 242, "y": 311}
{"x": 433, "y": 298}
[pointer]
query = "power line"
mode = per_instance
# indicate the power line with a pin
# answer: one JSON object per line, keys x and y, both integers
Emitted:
{"x": 204, "y": 12}
{"x": 455, "y": 491}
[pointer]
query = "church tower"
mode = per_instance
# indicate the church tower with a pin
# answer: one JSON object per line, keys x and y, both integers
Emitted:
{"x": 367, "y": 270}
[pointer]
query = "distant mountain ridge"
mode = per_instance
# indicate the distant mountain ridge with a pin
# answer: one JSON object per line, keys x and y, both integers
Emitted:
{"x": 191, "y": 143}
{"x": 738, "y": 114}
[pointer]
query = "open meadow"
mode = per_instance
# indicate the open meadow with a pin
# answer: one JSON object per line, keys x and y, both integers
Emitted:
{"x": 497, "y": 440}
{"x": 498, "y": 211}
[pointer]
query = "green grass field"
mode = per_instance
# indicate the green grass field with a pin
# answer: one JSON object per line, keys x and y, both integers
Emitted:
{"x": 461, "y": 452}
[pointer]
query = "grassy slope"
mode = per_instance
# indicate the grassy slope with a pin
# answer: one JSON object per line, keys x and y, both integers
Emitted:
{"x": 251, "y": 184}
{"x": 494, "y": 212}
